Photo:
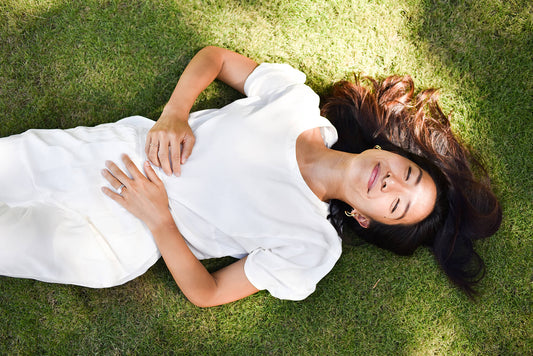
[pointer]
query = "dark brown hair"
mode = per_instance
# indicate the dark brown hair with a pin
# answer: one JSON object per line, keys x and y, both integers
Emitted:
{"x": 388, "y": 113}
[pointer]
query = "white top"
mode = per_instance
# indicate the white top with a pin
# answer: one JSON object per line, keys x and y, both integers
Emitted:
{"x": 241, "y": 192}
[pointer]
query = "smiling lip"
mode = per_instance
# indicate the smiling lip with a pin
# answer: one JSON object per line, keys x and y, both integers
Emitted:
{"x": 373, "y": 177}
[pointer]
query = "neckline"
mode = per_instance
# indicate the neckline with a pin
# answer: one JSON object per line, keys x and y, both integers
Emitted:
{"x": 304, "y": 187}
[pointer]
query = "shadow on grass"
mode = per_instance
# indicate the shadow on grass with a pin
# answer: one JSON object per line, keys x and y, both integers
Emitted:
{"x": 79, "y": 62}
{"x": 485, "y": 46}
{"x": 79, "y": 65}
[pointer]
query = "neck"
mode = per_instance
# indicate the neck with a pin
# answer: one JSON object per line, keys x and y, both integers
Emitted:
{"x": 323, "y": 169}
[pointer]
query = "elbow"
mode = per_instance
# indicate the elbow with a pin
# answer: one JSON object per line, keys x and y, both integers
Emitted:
{"x": 203, "y": 306}
{"x": 202, "y": 302}
{"x": 212, "y": 52}
{"x": 203, "y": 299}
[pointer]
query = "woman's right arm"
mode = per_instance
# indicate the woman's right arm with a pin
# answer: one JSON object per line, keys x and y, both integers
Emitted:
{"x": 171, "y": 133}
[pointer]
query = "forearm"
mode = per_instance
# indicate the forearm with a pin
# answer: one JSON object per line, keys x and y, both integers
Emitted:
{"x": 146, "y": 198}
{"x": 208, "y": 64}
{"x": 191, "y": 276}
{"x": 170, "y": 141}
{"x": 201, "y": 71}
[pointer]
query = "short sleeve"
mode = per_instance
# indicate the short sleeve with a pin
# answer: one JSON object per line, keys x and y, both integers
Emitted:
{"x": 290, "y": 272}
{"x": 269, "y": 78}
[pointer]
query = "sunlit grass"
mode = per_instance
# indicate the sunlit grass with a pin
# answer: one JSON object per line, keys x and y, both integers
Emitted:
{"x": 68, "y": 63}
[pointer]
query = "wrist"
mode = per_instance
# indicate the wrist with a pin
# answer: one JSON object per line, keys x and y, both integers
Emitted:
{"x": 175, "y": 112}
{"x": 163, "y": 222}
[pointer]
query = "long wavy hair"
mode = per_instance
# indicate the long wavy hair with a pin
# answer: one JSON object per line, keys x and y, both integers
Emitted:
{"x": 387, "y": 113}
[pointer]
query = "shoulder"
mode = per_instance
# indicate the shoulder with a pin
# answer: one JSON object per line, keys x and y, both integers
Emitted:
{"x": 311, "y": 137}
{"x": 292, "y": 271}
{"x": 268, "y": 78}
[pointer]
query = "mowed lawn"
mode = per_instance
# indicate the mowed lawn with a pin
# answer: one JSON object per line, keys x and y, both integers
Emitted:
{"x": 65, "y": 63}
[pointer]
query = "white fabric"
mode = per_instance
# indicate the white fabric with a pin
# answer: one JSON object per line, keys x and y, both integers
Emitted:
{"x": 55, "y": 223}
{"x": 240, "y": 193}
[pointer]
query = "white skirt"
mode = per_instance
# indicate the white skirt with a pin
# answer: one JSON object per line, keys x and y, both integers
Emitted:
{"x": 56, "y": 225}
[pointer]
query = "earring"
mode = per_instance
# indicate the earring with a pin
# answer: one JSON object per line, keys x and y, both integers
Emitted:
{"x": 377, "y": 147}
{"x": 350, "y": 214}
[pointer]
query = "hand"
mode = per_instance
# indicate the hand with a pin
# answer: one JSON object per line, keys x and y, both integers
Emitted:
{"x": 144, "y": 197}
{"x": 173, "y": 135}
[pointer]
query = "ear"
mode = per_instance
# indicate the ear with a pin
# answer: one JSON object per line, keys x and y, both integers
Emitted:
{"x": 361, "y": 219}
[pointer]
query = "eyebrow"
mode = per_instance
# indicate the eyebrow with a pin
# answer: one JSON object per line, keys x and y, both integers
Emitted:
{"x": 418, "y": 179}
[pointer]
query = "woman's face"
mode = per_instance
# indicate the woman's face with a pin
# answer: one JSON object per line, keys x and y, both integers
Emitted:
{"x": 390, "y": 189}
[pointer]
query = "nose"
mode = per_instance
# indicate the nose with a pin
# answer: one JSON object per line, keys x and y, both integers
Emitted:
{"x": 392, "y": 183}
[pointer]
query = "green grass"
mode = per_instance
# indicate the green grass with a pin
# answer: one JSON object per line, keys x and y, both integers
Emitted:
{"x": 68, "y": 63}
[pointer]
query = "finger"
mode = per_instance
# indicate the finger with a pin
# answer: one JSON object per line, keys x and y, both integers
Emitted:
{"x": 115, "y": 196}
{"x": 117, "y": 173}
{"x": 147, "y": 145}
{"x": 188, "y": 144}
{"x": 175, "y": 152}
{"x": 131, "y": 167}
{"x": 115, "y": 183}
{"x": 153, "y": 149}
{"x": 163, "y": 157}
{"x": 150, "y": 173}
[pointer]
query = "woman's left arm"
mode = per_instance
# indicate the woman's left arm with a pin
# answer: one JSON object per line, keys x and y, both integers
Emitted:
{"x": 146, "y": 198}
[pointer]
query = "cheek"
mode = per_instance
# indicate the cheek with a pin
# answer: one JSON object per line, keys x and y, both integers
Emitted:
{"x": 375, "y": 209}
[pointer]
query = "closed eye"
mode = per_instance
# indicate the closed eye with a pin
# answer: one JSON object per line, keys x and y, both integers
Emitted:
{"x": 395, "y": 206}
{"x": 408, "y": 173}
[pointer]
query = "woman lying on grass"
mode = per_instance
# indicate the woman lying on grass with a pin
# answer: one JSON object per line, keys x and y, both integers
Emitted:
{"x": 266, "y": 179}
